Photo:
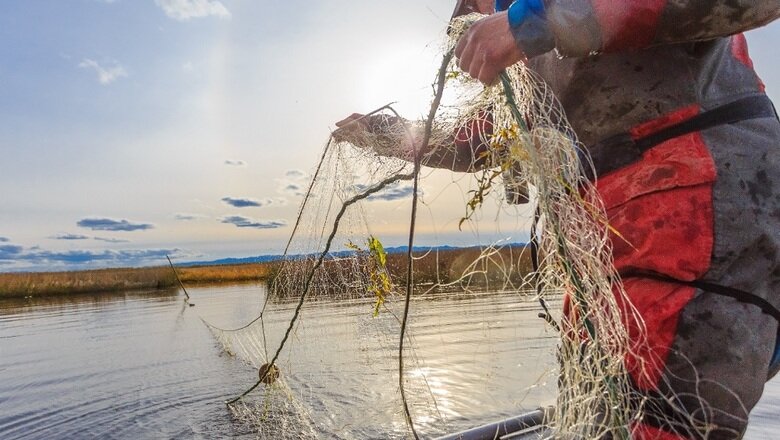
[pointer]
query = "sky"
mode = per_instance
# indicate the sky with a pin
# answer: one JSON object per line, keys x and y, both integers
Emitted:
{"x": 134, "y": 129}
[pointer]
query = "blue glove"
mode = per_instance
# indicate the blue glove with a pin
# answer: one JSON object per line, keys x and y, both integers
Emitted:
{"x": 529, "y": 25}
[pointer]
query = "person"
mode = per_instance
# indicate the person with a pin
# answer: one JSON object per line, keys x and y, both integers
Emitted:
{"x": 685, "y": 145}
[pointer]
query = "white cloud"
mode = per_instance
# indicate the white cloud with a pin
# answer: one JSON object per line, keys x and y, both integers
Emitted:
{"x": 184, "y": 10}
{"x": 295, "y": 174}
{"x": 294, "y": 183}
{"x": 106, "y": 75}
{"x": 111, "y": 240}
{"x": 290, "y": 188}
{"x": 247, "y": 202}
{"x": 185, "y": 217}
{"x": 240, "y": 221}
{"x": 394, "y": 191}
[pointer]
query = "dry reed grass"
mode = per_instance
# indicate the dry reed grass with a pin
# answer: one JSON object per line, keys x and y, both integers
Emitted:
{"x": 226, "y": 273}
{"x": 459, "y": 268}
{"x": 442, "y": 266}
{"x": 55, "y": 283}
{"x": 467, "y": 267}
{"x": 111, "y": 280}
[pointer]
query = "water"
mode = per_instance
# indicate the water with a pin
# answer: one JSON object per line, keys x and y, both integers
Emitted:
{"x": 143, "y": 365}
{"x": 129, "y": 365}
{"x": 483, "y": 357}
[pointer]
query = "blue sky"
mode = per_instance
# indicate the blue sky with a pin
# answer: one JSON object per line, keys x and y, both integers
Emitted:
{"x": 132, "y": 129}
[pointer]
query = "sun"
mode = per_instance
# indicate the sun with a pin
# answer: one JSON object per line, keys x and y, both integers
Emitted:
{"x": 401, "y": 73}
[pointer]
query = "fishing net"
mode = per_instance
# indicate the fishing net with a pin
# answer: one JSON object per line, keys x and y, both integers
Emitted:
{"x": 526, "y": 151}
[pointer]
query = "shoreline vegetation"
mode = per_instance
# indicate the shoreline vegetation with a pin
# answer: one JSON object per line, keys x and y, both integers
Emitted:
{"x": 442, "y": 266}
{"x": 22, "y": 284}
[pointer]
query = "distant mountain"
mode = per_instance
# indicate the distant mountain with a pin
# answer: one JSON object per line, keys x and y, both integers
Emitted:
{"x": 269, "y": 258}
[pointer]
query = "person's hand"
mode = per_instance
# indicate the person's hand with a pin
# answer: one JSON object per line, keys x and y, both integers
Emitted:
{"x": 487, "y": 48}
{"x": 357, "y": 126}
{"x": 383, "y": 134}
{"x": 354, "y": 125}
{"x": 357, "y": 130}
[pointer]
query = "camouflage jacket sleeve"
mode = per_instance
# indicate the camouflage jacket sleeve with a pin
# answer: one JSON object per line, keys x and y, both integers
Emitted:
{"x": 582, "y": 27}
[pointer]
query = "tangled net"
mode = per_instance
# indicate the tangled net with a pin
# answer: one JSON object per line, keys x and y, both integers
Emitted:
{"x": 333, "y": 252}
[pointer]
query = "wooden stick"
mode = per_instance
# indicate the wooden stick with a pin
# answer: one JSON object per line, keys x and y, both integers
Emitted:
{"x": 178, "y": 279}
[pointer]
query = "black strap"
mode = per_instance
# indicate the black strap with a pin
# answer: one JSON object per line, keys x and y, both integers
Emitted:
{"x": 620, "y": 150}
{"x": 739, "y": 295}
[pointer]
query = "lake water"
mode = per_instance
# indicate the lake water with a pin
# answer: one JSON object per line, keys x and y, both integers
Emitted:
{"x": 144, "y": 365}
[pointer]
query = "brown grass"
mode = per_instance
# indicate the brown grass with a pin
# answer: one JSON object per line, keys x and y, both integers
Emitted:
{"x": 509, "y": 264}
{"x": 225, "y": 273}
{"x": 463, "y": 268}
{"x": 464, "y": 265}
{"x": 111, "y": 280}
{"x": 54, "y": 283}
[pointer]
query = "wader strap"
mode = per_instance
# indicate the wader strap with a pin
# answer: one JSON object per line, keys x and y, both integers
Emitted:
{"x": 620, "y": 150}
{"x": 739, "y": 295}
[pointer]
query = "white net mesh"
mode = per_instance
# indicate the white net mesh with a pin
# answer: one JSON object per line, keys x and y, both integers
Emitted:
{"x": 333, "y": 253}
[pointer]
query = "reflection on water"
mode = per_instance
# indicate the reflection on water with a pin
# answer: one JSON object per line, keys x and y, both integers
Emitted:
{"x": 143, "y": 365}
{"x": 476, "y": 358}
